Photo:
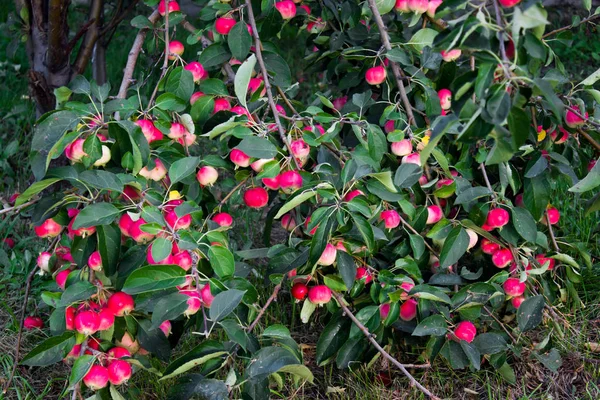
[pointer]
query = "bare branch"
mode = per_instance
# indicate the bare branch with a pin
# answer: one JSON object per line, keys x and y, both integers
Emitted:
{"x": 265, "y": 74}
{"x": 398, "y": 73}
{"x": 384, "y": 353}
{"x": 566, "y": 28}
{"x": 133, "y": 56}
{"x": 91, "y": 36}
{"x": 267, "y": 304}
{"x": 79, "y": 34}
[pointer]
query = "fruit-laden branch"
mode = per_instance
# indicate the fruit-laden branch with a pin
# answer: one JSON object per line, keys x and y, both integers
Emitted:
{"x": 22, "y": 321}
{"x": 18, "y": 208}
{"x": 205, "y": 43}
{"x": 91, "y": 36}
{"x": 398, "y": 74}
{"x": 384, "y": 353}
{"x": 133, "y": 56}
{"x": 265, "y": 74}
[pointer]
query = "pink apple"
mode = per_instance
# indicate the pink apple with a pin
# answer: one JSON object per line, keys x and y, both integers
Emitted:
{"x": 413, "y": 158}
{"x": 434, "y": 214}
{"x": 290, "y": 181}
{"x": 48, "y": 229}
{"x": 256, "y": 197}
{"x": 445, "y": 96}
{"x": 376, "y": 75}
{"x": 207, "y": 176}
{"x": 451, "y": 55}
{"x": 514, "y": 287}
{"x": 328, "y": 256}
{"x": 162, "y": 8}
{"x": 198, "y": 73}
{"x": 286, "y": 8}
{"x": 466, "y": 331}
{"x": 402, "y": 6}
{"x": 176, "y": 49}
{"x": 501, "y": 258}
{"x": 408, "y": 310}
{"x": 239, "y": 158}
{"x": 319, "y": 295}
{"x": 497, "y": 218}
{"x": 418, "y": 6}
{"x": 402, "y": 148}
{"x": 391, "y": 218}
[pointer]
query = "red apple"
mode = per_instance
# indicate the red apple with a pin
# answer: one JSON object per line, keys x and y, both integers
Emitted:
{"x": 106, "y": 319}
{"x": 319, "y": 295}
{"x": 96, "y": 378}
{"x": 328, "y": 256}
{"x": 95, "y": 261}
{"x": 256, "y": 197}
{"x": 574, "y": 120}
{"x": 445, "y": 96}
{"x": 198, "y": 73}
{"x": 32, "y": 323}
{"x": 408, "y": 310}
{"x": 165, "y": 327}
{"x": 224, "y": 24}
{"x": 501, "y": 258}
{"x": 61, "y": 278}
{"x": 299, "y": 291}
{"x": 514, "y": 287}
{"x": 391, "y": 218}
{"x": 413, "y": 158}
{"x": 48, "y": 229}
{"x": 509, "y": 3}
{"x": 418, "y": 6}
{"x": 466, "y": 331}
{"x": 121, "y": 304}
{"x": 175, "y": 49}
{"x": 434, "y": 214}
{"x": 119, "y": 372}
{"x": 402, "y": 6}
{"x": 288, "y": 222}
{"x": 290, "y": 181}
{"x": 376, "y": 75}
{"x": 239, "y": 158}
{"x": 352, "y": 194}
{"x": 363, "y": 273}
{"x": 223, "y": 219}
{"x": 87, "y": 322}
{"x": 271, "y": 183}
{"x": 286, "y": 8}
{"x": 497, "y": 218}
{"x": 118, "y": 352}
{"x": 207, "y": 297}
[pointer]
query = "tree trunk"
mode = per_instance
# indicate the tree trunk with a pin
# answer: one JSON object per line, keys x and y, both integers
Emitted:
{"x": 99, "y": 63}
{"x": 47, "y": 50}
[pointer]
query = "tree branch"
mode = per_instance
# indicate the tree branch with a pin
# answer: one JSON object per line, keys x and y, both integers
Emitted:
{"x": 505, "y": 59}
{"x": 57, "y": 34}
{"x": 17, "y": 208}
{"x": 589, "y": 139}
{"x": 384, "y": 353}
{"x": 487, "y": 180}
{"x": 413, "y": 230}
{"x": 265, "y": 74}
{"x": 565, "y": 28}
{"x": 91, "y": 36}
{"x": 551, "y": 230}
{"x": 79, "y": 34}
{"x": 267, "y": 304}
{"x": 398, "y": 73}
{"x": 133, "y": 56}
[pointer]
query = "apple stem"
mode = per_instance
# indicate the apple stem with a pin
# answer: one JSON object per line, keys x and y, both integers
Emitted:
{"x": 23, "y": 311}
{"x": 384, "y": 353}
{"x": 265, "y": 74}
{"x": 398, "y": 73}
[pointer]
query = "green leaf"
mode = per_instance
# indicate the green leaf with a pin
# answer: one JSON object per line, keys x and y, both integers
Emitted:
{"x": 109, "y": 246}
{"x": 153, "y": 340}
{"x": 295, "y": 201}
{"x": 242, "y": 79}
{"x": 181, "y": 83}
{"x": 161, "y": 248}
{"x": 332, "y": 338}
{"x": 369, "y": 317}
{"x": 154, "y": 277}
{"x": 407, "y": 175}
{"x": 472, "y": 193}
{"x": 257, "y": 147}
{"x": 334, "y": 282}
{"x": 168, "y": 308}
{"x": 269, "y": 360}
{"x": 102, "y": 180}
{"x": 224, "y": 303}
{"x": 34, "y": 189}
{"x": 384, "y": 6}
{"x": 591, "y": 181}
{"x": 351, "y": 351}
{"x": 78, "y": 291}
{"x": 595, "y": 76}
{"x": 551, "y": 360}
{"x": 524, "y": 224}
{"x": 221, "y": 261}
{"x": 197, "y": 386}
{"x": 80, "y": 368}
{"x": 214, "y": 55}
{"x": 50, "y": 351}
{"x": 472, "y": 354}
{"x": 434, "y": 325}
{"x": 170, "y": 102}
{"x": 529, "y": 314}
{"x": 417, "y": 243}
{"x": 366, "y": 230}
{"x": 423, "y": 38}
{"x": 214, "y": 87}
{"x": 193, "y": 363}
{"x": 202, "y": 109}
{"x": 428, "y": 292}
{"x": 455, "y": 247}
{"x": 347, "y": 268}
{"x": 490, "y": 343}
{"x": 298, "y": 370}
{"x": 203, "y": 349}
{"x": 239, "y": 41}
{"x": 183, "y": 168}
{"x": 278, "y": 67}
{"x": 96, "y": 214}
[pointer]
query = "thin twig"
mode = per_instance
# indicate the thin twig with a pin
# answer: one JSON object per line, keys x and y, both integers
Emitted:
{"x": 384, "y": 353}
{"x": 265, "y": 74}
{"x": 589, "y": 139}
{"x": 167, "y": 53}
{"x": 487, "y": 180}
{"x": 118, "y": 18}
{"x": 551, "y": 230}
{"x": 398, "y": 74}
{"x": 501, "y": 324}
{"x": 133, "y": 56}
{"x": 18, "y": 208}
{"x": 564, "y": 28}
{"x": 500, "y": 23}
{"x": 413, "y": 230}
{"x": 267, "y": 304}
{"x": 79, "y": 34}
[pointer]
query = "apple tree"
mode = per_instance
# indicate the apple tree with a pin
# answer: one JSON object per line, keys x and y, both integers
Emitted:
{"x": 410, "y": 151}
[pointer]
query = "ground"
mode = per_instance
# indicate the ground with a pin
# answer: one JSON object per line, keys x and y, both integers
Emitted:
{"x": 578, "y": 378}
